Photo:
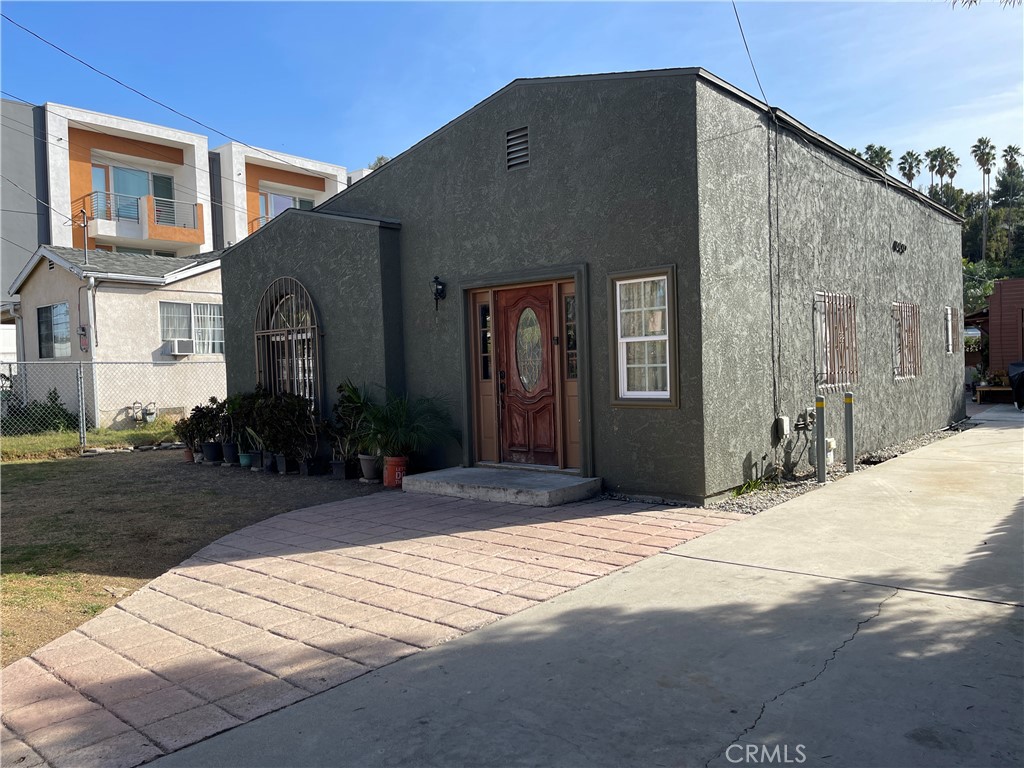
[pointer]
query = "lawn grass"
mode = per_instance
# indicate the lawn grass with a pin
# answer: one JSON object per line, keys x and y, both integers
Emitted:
{"x": 78, "y": 533}
{"x": 55, "y": 445}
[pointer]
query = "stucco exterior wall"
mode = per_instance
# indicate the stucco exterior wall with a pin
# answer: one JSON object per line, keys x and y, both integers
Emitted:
{"x": 131, "y": 363}
{"x": 348, "y": 268}
{"x": 836, "y": 233}
{"x": 835, "y": 230}
{"x": 26, "y": 221}
{"x": 592, "y": 194}
{"x": 736, "y": 289}
{"x": 128, "y": 317}
{"x": 45, "y": 287}
{"x": 126, "y": 363}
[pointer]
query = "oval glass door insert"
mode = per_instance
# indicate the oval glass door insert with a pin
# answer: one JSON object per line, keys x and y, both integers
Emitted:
{"x": 529, "y": 354}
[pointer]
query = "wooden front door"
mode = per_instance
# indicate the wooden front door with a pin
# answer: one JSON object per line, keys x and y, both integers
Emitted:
{"x": 526, "y": 375}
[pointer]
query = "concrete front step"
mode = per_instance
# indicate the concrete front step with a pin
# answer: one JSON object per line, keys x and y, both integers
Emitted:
{"x": 516, "y": 486}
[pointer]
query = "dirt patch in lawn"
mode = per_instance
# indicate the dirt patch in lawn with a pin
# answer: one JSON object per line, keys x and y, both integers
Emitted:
{"x": 79, "y": 534}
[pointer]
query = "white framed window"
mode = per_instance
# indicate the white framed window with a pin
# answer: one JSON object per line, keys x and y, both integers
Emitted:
{"x": 835, "y": 340}
{"x": 642, "y": 338}
{"x": 275, "y": 203}
{"x": 203, "y": 323}
{"x": 54, "y": 325}
{"x": 906, "y": 340}
{"x": 952, "y": 330}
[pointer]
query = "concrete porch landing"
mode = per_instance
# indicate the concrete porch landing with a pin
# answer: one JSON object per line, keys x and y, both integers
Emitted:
{"x": 514, "y": 486}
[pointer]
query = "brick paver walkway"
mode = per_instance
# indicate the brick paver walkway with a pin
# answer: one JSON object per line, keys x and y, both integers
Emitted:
{"x": 300, "y": 603}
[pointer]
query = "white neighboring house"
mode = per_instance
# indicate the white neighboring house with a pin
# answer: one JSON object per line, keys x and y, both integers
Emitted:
{"x": 149, "y": 329}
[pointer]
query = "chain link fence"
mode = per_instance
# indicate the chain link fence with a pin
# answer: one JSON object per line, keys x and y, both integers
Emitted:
{"x": 43, "y": 397}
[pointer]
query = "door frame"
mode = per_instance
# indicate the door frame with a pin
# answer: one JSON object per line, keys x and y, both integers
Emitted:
{"x": 579, "y": 274}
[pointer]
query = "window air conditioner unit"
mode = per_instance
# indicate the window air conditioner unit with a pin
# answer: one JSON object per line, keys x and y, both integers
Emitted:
{"x": 179, "y": 347}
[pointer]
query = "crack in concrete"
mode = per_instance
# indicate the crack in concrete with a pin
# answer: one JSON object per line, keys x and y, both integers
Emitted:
{"x": 829, "y": 660}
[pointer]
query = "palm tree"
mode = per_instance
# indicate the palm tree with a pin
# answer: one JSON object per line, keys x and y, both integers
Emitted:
{"x": 878, "y": 156}
{"x": 910, "y": 166}
{"x": 984, "y": 154}
{"x": 952, "y": 163}
{"x": 946, "y": 165}
{"x": 932, "y": 156}
{"x": 1011, "y": 157}
{"x": 855, "y": 151}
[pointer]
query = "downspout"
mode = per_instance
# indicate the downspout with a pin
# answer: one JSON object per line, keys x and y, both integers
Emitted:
{"x": 95, "y": 342}
{"x": 19, "y": 324}
{"x": 92, "y": 313}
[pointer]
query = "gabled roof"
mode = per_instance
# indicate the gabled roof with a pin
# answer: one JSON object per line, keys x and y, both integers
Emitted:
{"x": 120, "y": 267}
{"x": 776, "y": 114}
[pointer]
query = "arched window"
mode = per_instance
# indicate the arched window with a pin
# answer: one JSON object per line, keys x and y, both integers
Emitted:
{"x": 288, "y": 341}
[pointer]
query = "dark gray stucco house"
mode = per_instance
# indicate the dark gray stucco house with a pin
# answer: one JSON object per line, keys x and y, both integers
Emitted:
{"x": 645, "y": 273}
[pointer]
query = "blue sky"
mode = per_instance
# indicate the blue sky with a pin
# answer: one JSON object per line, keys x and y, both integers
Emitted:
{"x": 344, "y": 82}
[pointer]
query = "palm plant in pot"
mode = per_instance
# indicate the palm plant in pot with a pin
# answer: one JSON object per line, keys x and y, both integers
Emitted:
{"x": 185, "y": 431}
{"x": 404, "y": 425}
{"x": 353, "y": 423}
{"x": 231, "y": 428}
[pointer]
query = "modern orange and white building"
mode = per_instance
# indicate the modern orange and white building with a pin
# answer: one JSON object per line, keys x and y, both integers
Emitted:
{"x": 81, "y": 179}
{"x": 133, "y": 216}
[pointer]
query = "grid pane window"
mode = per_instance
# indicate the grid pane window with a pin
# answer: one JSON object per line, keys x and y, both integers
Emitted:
{"x": 175, "y": 320}
{"x": 54, "y": 325}
{"x": 643, "y": 354}
{"x": 209, "y": 324}
{"x": 203, "y": 323}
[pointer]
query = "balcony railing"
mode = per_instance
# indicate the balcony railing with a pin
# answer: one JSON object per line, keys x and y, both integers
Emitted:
{"x": 166, "y": 213}
{"x": 258, "y": 222}
{"x": 113, "y": 207}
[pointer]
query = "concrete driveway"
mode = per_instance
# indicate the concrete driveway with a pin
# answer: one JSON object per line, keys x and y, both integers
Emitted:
{"x": 300, "y": 603}
{"x": 874, "y": 622}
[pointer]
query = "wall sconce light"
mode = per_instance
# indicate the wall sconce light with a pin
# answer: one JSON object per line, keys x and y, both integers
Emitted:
{"x": 898, "y": 247}
{"x": 438, "y": 286}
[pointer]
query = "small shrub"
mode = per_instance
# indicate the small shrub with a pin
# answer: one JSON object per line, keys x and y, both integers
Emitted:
{"x": 36, "y": 417}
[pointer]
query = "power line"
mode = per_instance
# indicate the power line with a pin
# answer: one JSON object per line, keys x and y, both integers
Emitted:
{"x": 147, "y": 145}
{"x": 17, "y": 245}
{"x": 38, "y": 200}
{"x": 66, "y": 148}
{"x": 155, "y": 101}
{"x": 742, "y": 35}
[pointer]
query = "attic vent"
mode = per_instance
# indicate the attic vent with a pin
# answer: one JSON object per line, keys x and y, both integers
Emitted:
{"x": 517, "y": 148}
{"x": 49, "y": 264}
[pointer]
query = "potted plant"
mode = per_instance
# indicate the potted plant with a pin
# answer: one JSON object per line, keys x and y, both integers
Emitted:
{"x": 354, "y": 438}
{"x": 207, "y": 420}
{"x": 185, "y": 431}
{"x": 254, "y": 457}
{"x": 404, "y": 425}
{"x": 231, "y": 427}
{"x": 288, "y": 427}
{"x": 344, "y": 464}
